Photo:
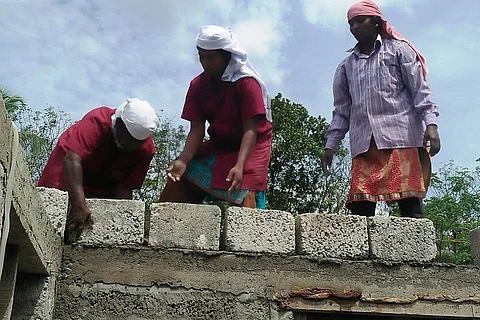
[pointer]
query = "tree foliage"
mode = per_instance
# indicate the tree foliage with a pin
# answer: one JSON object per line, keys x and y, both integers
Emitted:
{"x": 454, "y": 209}
{"x": 38, "y": 130}
{"x": 296, "y": 182}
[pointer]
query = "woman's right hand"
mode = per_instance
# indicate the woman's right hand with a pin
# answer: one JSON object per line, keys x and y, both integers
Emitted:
{"x": 175, "y": 170}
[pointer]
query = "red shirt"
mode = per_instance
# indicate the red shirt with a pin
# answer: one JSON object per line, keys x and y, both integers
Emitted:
{"x": 225, "y": 114}
{"x": 104, "y": 164}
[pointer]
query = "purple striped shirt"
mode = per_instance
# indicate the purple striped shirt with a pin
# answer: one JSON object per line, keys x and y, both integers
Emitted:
{"x": 383, "y": 94}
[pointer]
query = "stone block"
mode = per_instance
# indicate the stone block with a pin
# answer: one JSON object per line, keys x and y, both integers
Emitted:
{"x": 475, "y": 245}
{"x": 332, "y": 236}
{"x": 3, "y": 190}
{"x": 116, "y": 223}
{"x": 55, "y": 202}
{"x": 31, "y": 229}
{"x": 254, "y": 230}
{"x": 182, "y": 225}
{"x": 401, "y": 239}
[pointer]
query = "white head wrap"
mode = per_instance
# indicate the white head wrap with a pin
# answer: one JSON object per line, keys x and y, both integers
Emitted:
{"x": 139, "y": 118}
{"x": 214, "y": 38}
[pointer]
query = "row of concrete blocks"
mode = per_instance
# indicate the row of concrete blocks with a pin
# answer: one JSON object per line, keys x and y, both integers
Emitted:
{"x": 202, "y": 227}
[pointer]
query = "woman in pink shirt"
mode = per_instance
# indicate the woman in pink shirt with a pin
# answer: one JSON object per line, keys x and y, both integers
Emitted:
{"x": 232, "y": 163}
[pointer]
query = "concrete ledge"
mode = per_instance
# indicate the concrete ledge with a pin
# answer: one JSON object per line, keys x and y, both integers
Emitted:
{"x": 402, "y": 239}
{"x": 55, "y": 202}
{"x": 31, "y": 229}
{"x": 3, "y": 191}
{"x": 332, "y": 236}
{"x": 475, "y": 245}
{"x": 253, "y": 230}
{"x": 117, "y": 223}
{"x": 93, "y": 276}
{"x": 181, "y": 225}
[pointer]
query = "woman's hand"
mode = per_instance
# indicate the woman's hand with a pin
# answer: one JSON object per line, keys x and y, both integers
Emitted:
{"x": 175, "y": 170}
{"x": 235, "y": 175}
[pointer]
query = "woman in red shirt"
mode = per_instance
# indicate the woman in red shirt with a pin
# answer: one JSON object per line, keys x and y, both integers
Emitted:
{"x": 232, "y": 163}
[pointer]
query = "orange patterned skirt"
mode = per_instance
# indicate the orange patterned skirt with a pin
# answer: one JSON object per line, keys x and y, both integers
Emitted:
{"x": 389, "y": 175}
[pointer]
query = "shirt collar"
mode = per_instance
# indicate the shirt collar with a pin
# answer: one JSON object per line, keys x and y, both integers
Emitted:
{"x": 356, "y": 48}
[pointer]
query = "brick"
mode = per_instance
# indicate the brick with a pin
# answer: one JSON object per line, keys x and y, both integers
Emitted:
{"x": 332, "y": 236}
{"x": 182, "y": 225}
{"x": 55, "y": 202}
{"x": 117, "y": 223}
{"x": 475, "y": 245}
{"x": 253, "y": 230}
{"x": 402, "y": 239}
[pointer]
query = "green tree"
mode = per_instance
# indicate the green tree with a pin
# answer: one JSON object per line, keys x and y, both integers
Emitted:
{"x": 454, "y": 209}
{"x": 38, "y": 130}
{"x": 296, "y": 181}
{"x": 14, "y": 104}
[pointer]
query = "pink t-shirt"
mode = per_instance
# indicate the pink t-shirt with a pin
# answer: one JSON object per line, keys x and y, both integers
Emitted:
{"x": 104, "y": 164}
{"x": 225, "y": 114}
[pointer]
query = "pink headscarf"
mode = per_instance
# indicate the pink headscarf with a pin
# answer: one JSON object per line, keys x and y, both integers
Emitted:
{"x": 370, "y": 8}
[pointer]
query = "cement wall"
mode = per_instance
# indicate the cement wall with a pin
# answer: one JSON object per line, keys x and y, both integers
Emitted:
{"x": 272, "y": 265}
{"x": 144, "y": 283}
{"x": 33, "y": 246}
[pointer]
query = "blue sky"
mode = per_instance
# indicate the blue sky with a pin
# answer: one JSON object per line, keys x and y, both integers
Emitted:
{"x": 80, "y": 54}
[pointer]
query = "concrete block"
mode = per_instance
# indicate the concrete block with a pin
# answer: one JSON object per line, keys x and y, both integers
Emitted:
{"x": 6, "y": 137}
{"x": 34, "y": 297}
{"x": 181, "y": 225}
{"x": 40, "y": 245}
{"x": 475, "y": 245}
{"x": 116, "y": 223}
{"x": 254, "y": 230}
{"x": 401, "y": 239}
{"x": 3, "y": 191}
{"x": 332, "y": 236}
{"x": 55, "y": 202}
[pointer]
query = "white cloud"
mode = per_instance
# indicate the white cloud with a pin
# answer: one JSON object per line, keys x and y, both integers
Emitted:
{"x": 333, "y": 14}
{"x": 85, "y": 53}
{"x": 453, "y": 56}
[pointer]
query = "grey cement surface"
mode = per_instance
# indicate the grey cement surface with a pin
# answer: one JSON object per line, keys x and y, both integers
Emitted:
{"x": 55, "y": 202}
{"x": 332, "y": 236}
{"x": 253, "y": 230}
{"x": 6, "y": 136}
{"x": 31, "y": 229}
{"x": 185, "y": 281}
{"x": 401, "y": 239}
{"x": 34, "y": 297}
{"x": 475, "y": 245}
{"x": 116, "y": 223}
{"x": 181, "y": 225}
{"x": 115, "y": 301}
{"x": 3, "y": 190}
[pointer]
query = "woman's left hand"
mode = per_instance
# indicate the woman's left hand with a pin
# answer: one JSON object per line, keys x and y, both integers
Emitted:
{"x": 235, "y": 175}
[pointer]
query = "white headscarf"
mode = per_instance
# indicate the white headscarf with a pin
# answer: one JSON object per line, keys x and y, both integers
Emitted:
{"x": 139, "y": 118}
{"x": 214, "y": 38}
